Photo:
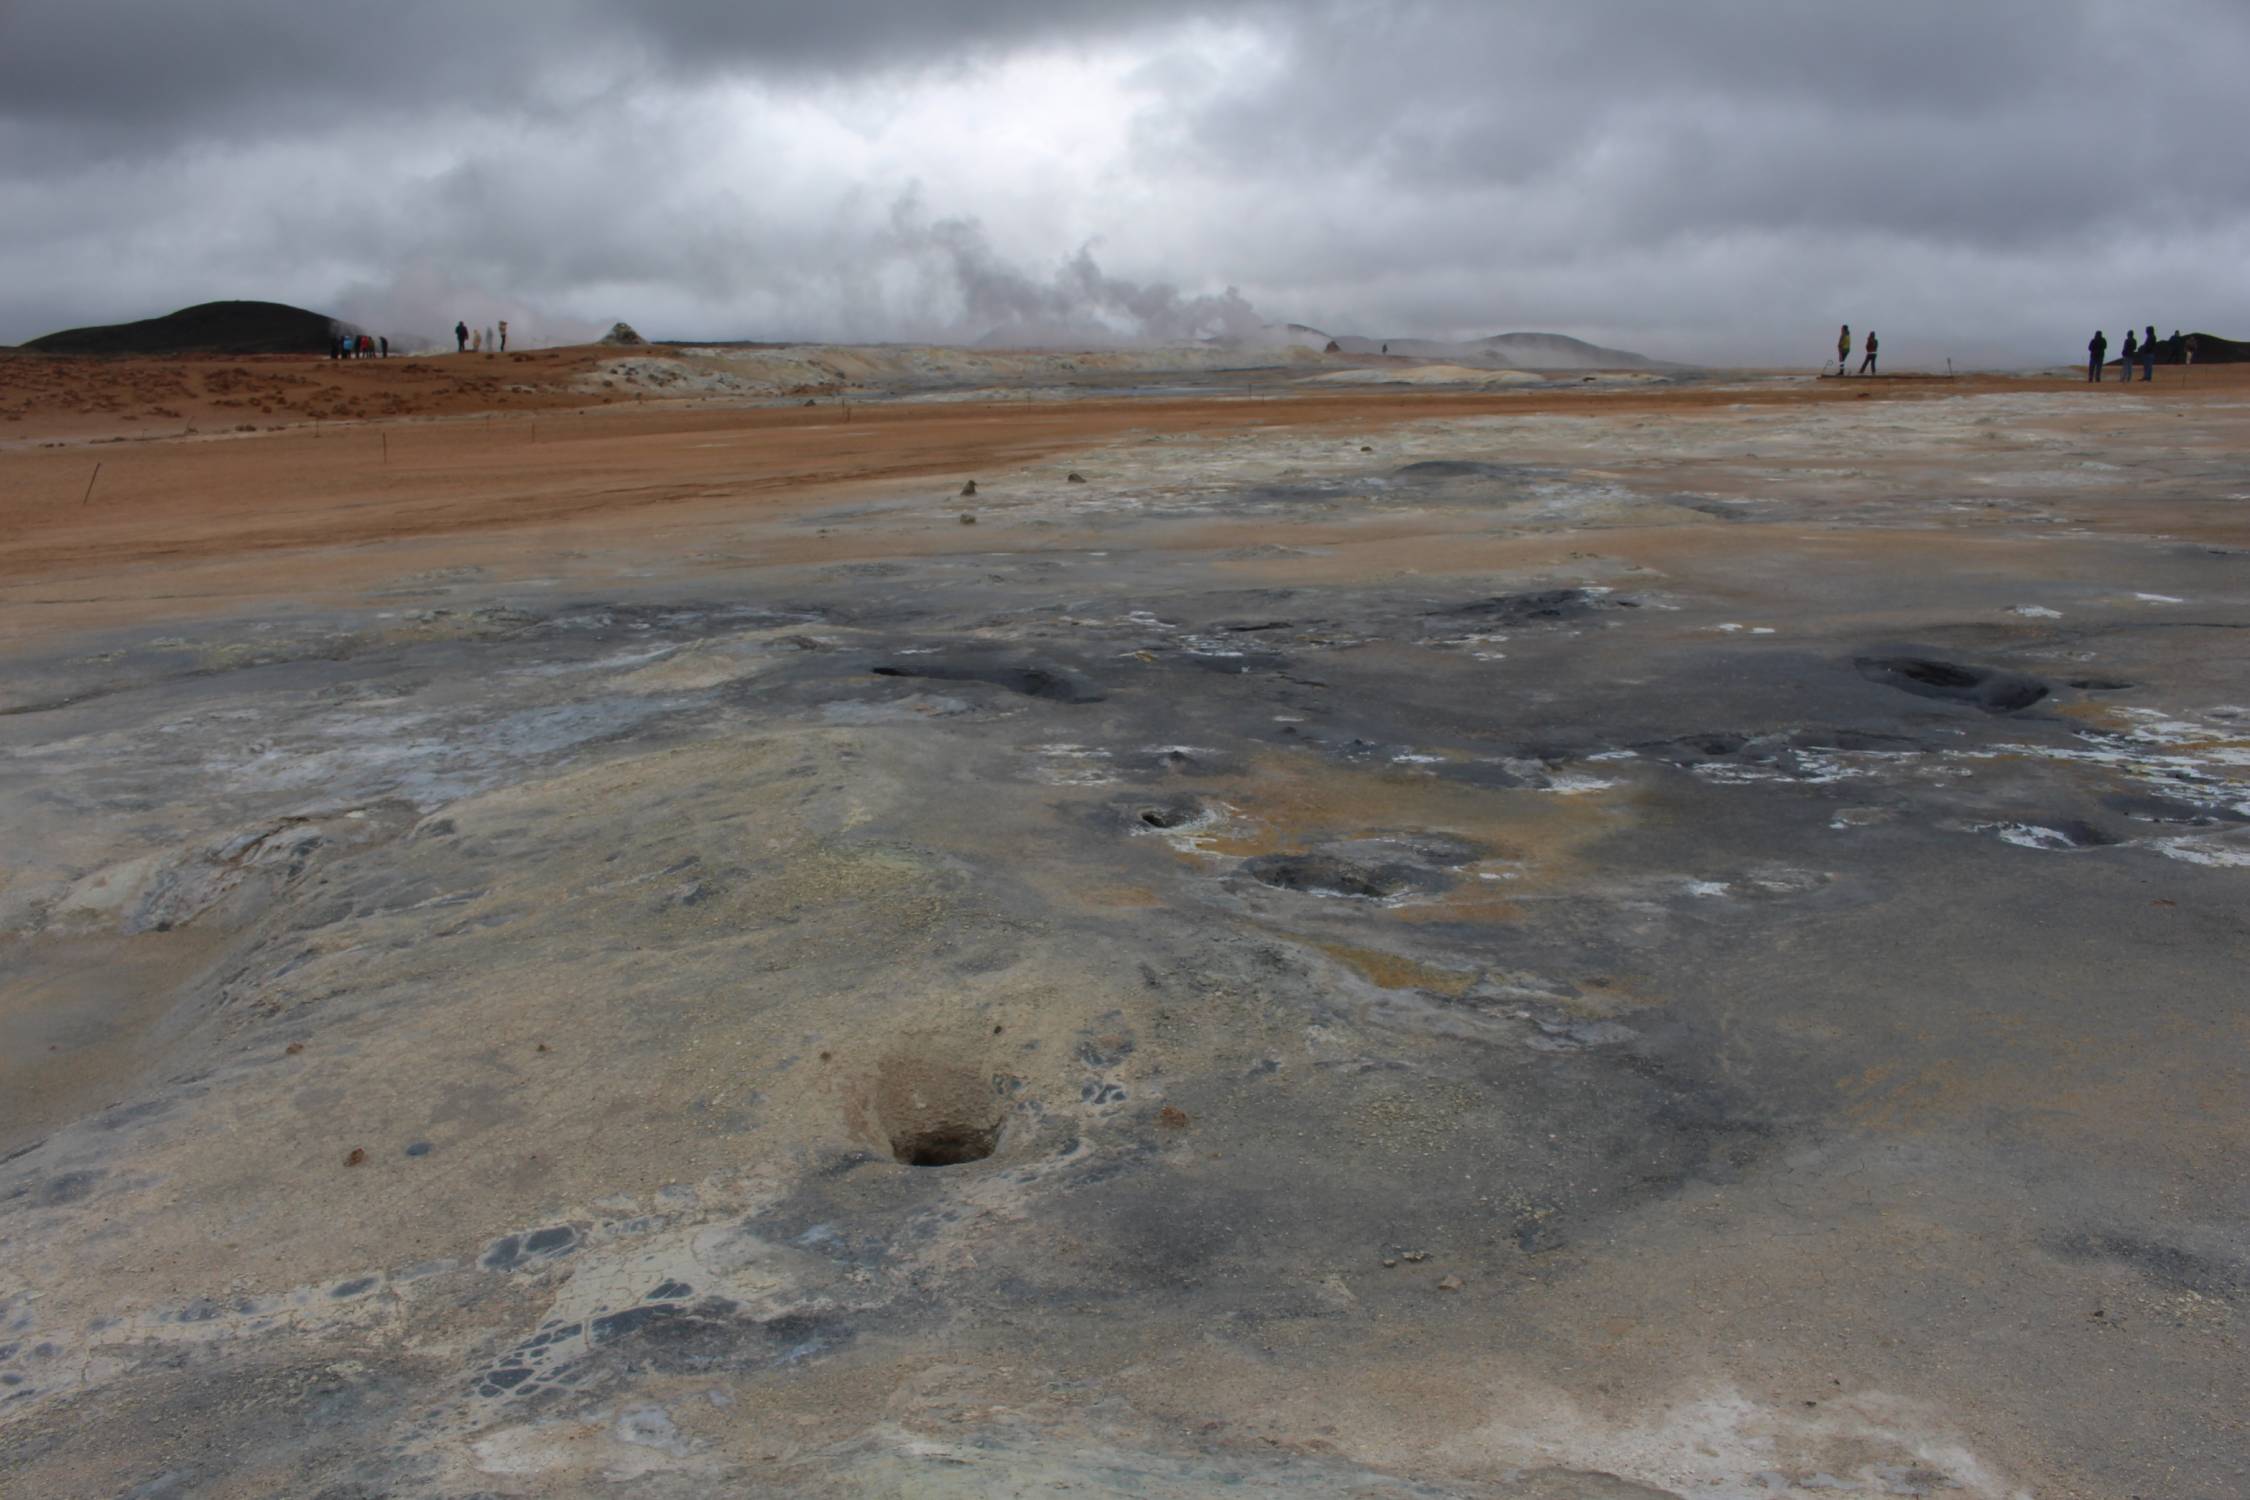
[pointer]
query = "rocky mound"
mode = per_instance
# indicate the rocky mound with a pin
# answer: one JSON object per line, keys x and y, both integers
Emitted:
{"x": 622, "y": 333}
{"x": 2210, "y": 349}
{"x": 207, "y": 328}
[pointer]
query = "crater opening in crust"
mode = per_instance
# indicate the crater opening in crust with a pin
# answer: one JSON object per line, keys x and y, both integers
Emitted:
{"x": 932, "y": 1110}
{"x": 1171, "y": 814}
{"x": 944, "y": 1144}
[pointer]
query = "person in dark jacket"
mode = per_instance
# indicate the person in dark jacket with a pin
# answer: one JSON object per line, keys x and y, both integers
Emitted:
{"x": 2148, "y": 355}
{"x": 2125, "y": 359}
{"x": 1867, "y": 365}
{"x": 460, "y": 338}
{"x": 2097, "y": 350}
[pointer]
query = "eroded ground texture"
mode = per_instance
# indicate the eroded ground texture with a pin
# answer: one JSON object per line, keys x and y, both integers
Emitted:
{"x": 1605, "y": 952}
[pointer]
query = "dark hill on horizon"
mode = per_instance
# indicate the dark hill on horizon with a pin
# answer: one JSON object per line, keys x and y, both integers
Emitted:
{"x": 2210, "y": 349}
{"x": 207, "y": 328}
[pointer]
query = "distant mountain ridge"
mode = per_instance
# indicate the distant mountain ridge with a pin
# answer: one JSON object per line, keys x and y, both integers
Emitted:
{"x": 206, "y": 328}
{"x": 1505, "y": 351}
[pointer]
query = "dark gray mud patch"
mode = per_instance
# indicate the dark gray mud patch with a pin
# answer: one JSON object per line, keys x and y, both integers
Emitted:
{"x": 513, "y": 1250}
{"x": 1694, "y": 749}
{"x": 665, "y": 1334}
{"x": 1328, "y": 875}
{"x": 710, "y": 1335}
{"x": 1317, "y": 492}
{"x": 1992, "y": 689}
{"x": 1032, "y": 680}
{"x": 2100, "y": 684}
{"x": 1441, "y": 470}
{"x": 2143, "y": 808}
{"x": 65, "y": 1187}
{"x": 1540, "y": 607}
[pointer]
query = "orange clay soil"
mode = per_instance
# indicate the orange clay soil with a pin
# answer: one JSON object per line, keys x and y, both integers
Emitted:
{"x": 475, "y": 456}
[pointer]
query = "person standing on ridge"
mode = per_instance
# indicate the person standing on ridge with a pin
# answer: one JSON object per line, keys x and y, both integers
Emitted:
{"x": 460, "y": 337}
{"x": 384, "y": 346}
{"x": 2125, "y": 358}
{"x": 503, "y": 335}
{"x": 1844, "y": 350}
{"x": 2097, "y": 349}
{"x": 2148, "y": 355}
{"x": 1867, "y": 365}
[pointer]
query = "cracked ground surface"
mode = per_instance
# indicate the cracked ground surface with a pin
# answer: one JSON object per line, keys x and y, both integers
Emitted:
{"x": 1682, "y": 944}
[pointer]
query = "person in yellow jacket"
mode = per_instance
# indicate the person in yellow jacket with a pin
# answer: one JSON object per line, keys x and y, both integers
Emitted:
{"x": 1844, "y": 351}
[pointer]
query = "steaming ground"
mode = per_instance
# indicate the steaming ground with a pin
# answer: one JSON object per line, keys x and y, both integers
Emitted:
{"x": 1666, "y": 941}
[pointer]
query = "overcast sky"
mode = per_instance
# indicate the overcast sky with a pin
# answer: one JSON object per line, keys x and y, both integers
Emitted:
{"x": 1721, "y": 180}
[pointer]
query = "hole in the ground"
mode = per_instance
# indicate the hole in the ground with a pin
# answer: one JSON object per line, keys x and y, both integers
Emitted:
{"x": 932, "y": 1110}
{"x": 1937, "y": 674}
{"x": 1033, "y": 680}
{"x": 1326, "y": 875}
{"x": 1993, "y": 690}
{"x": 1172, "y": 812}
{"x": 944, "y": 1145}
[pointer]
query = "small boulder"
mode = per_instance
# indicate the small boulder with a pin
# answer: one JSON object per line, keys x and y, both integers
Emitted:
{"x": 969, "y": 489}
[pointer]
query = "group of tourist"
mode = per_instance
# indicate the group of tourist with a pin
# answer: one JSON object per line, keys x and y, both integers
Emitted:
{"x": 493, "y": 340}
{"x": 467, "y": 340}
{"x": 1844, "y": 352}
{"x": 2143, "y": 349}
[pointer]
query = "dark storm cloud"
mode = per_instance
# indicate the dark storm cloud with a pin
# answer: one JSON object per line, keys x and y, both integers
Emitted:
{"x": 1995, "y": 120}
{"x": 1725, "y": 179}
{"x": 146, "y": 71}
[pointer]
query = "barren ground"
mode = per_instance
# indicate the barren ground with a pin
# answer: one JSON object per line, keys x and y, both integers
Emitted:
{"x": 1612, "y": 939}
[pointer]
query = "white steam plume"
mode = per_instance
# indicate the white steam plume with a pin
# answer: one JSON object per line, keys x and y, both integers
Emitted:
{"x": 418, "y": 307}
{"x": 1079, "y": 305}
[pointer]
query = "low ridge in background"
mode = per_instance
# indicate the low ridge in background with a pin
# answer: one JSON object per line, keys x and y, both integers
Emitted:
{"x": 206, "y": 328}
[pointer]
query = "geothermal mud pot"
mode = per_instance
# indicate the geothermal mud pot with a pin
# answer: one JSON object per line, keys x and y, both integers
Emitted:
{"x": 1611, "y": 951}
